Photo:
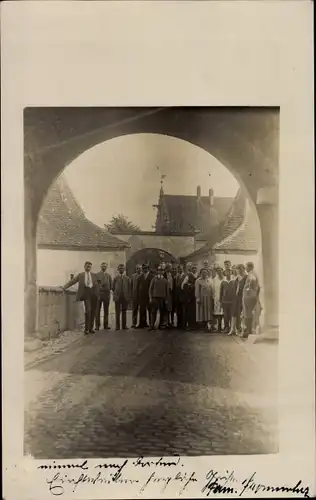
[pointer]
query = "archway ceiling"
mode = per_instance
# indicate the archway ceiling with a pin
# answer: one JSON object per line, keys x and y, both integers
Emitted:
{"x": 245, "y": 140}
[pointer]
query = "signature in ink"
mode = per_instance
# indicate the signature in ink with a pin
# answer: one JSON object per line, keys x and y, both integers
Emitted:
{"x": 250, "y": 485}
{"x": 217, "y": 483}
{"x": 228, "y": 484}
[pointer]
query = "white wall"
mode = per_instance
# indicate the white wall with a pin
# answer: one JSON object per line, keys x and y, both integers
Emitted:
{"x": 55, "y": 266}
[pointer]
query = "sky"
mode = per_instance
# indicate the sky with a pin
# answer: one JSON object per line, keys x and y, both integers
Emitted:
{"x": 123, "y": 175}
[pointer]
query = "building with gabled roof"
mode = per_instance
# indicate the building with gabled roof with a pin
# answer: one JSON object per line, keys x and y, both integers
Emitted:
{"x": 238, "y": 238}
{"x": 66, "y": 238}
{"x": 190, "y": 214}
{"x": 224, "y": 228}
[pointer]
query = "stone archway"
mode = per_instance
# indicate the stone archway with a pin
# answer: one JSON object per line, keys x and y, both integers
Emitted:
{"x": 245, "y": 140}
{"x": 150, "y": 256}
{"x": 177, "y": 245}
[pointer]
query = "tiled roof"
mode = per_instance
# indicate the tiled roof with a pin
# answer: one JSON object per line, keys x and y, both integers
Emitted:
{"x": 62, "y": 223}
{"x": 235, "y": 216}
{"x": 245, "y": 238}
{"x": 222, "y": 206}
{"x": 186, "y": 214}
{"x": 240, "y": 231}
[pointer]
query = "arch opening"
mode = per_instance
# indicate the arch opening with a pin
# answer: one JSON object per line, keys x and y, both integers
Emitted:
{"x": 213, "y": 152}
{"x": 151, "y": 256}
{"x": 49, "y": 164}
{"x": 146, "y": 151}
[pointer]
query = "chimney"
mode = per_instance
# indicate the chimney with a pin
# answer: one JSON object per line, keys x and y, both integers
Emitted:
{"x": 198, "y": 193}
{"x": 211, "y": 197}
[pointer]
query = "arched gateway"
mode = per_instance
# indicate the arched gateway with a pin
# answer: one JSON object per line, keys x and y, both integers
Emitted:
{"x": 150, "y": 256}
{"x": 245, "y": 140}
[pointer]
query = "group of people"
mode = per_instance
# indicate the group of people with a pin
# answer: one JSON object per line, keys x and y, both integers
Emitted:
{"x": 213, "y": 298}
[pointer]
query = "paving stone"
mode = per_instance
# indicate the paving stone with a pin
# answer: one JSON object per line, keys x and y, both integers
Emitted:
{"x": 127, "y": 395}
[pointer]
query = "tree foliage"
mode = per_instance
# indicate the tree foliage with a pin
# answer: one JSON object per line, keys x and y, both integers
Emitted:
{"x": 120, "y": 223}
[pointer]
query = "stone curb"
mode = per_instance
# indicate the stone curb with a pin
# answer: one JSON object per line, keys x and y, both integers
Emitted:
{"x": 31, "y": 345}
{"x": 49, "y": 347}
{"x": 43, "y": 351}
{"x": 34, "y": 343}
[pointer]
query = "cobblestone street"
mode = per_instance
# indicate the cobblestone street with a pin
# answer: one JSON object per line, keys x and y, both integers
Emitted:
{"x": 133, "y": 393}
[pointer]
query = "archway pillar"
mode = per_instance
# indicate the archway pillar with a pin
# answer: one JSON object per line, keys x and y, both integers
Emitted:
{"x": 267, "y": 206}
{"x": 30, "y": 222}
{"x": 30, "y": 290}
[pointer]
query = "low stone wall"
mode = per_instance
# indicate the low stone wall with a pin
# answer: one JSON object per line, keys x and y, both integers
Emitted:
{"x": 58, "y": 311}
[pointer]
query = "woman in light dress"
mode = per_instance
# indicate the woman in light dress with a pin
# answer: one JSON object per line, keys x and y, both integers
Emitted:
{"x": 218, "y": 310}
{"x": 204, "y": 294}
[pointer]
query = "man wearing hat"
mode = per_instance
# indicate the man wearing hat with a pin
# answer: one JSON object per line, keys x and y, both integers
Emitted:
{"x": 143, "y": 284}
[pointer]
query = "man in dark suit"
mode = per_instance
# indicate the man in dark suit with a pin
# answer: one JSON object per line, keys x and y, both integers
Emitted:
{"x": 143, "y": 284}
{"x": 158, "y": 294}
{"x": 250, "y": 297}
{"x": 180, "y": 297}
{"x": 188, "y": 287}
{"x": 88, "y": 293}
{"x": 135, "y": 302}
{"x": 121, "y": 296}
{"x": 226, "y": 299}
{"x": 105, "y": 284}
